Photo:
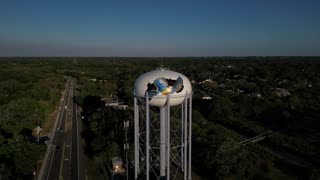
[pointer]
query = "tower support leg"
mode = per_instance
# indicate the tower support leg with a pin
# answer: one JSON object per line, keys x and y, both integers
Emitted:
{"x": 168, "y": 137}
{"x": 185, "y": 138}
{"x": 136, "y": 139}
{"x": 190, "y": 134}
{"x": 147, "y": 138}
{"x": 162, "y": 142}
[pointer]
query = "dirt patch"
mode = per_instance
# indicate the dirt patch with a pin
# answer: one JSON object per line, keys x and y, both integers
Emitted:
{"x": 38, "y": 167}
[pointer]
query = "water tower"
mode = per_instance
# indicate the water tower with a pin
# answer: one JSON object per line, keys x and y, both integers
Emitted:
{"x": 162, "y": 125}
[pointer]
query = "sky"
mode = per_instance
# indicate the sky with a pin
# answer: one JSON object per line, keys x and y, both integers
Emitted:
{"x": 160, "y": 28}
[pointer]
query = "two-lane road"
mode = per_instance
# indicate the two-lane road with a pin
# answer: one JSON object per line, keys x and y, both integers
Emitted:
{"x": 64, "y": 159}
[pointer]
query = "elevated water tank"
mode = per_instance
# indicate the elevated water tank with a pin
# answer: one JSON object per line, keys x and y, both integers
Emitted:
{"x": 160, "y": 83}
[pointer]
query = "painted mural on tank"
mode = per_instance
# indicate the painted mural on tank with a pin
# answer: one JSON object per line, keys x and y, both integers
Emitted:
{"x": 163, "y": 86}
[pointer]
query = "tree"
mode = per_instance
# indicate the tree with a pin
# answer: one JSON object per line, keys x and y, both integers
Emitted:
{"x": 226, "y": 158}
{"x": 220, "y": 109}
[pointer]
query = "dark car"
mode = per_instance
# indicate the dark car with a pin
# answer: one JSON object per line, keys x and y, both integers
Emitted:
{"x": 60, "y": 129}
{"x": 44, "y": 139}
{"x": 117, "y": 177}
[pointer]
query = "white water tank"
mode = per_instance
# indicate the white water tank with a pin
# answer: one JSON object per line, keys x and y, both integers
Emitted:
{"x": 160, "y": 83}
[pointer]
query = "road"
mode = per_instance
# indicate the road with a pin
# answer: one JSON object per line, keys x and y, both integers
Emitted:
{"x": 256, "y": 138}
{"x": 65, "y": 154}
{"x": 291, "y": 157}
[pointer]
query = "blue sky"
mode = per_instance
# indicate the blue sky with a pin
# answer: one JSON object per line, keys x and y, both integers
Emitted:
{"x": 159, "y": 28}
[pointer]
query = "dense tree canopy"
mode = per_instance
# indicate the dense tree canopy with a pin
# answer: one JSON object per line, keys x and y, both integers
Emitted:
{"x": 245, "y": 103}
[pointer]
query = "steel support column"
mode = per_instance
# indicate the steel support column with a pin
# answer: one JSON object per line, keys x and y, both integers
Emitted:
{"x": 168, "y": 137}
{"x": 190, "y": 134}
{"x": 185, "y": 136}
{"x": 136, "y": 139}
{"x": 182, "y": 137}
{"x": 163, "y": 141}
{"x": 147, "y": 138}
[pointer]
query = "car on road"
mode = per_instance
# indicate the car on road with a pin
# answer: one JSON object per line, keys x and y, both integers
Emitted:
{"x": 47, "y": 142}
{"x": 59, "y": 129}
{"x": 57, "y": 148}
{"x": 44, "y": 140}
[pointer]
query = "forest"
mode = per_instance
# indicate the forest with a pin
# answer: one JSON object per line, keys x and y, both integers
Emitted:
{"x": 29, "y": 93}
{"x": 249, "y": 96}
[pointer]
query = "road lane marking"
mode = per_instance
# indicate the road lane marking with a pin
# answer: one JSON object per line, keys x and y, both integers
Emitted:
{"x": 51, "y": 164}
{"x": 64, "y": 103}
{"x": 71, "y": 129}
{"x": 52, "y": 135}
{"x": 64, "y": 145}
{"x": 78, "y": 144}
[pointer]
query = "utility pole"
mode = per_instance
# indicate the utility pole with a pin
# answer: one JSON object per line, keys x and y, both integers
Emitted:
{"x": 126, "y": 145}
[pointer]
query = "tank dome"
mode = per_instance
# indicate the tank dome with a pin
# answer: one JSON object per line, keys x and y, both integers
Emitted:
{"x": 160, "y": 83}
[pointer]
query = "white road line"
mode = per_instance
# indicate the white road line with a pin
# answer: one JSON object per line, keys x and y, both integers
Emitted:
{"x": 61, "y": 164}
{"x": 71, "y": 138}
{"x": 63, "y": 105}
{"x": 78, "y": 144}
{"x": 61, "y": 117}
{"x": 50, "y": 164}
